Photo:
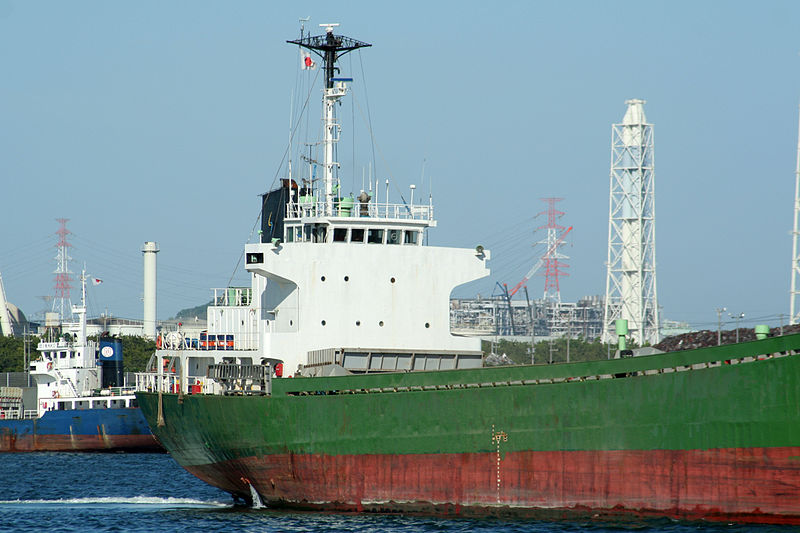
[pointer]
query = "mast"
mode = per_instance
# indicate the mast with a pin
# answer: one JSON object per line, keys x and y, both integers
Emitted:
{"x": 330, "y": 48}
{"x": 80, "y": 310}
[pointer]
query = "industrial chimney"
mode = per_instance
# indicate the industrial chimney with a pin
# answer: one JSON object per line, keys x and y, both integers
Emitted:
{"x": 150, "y": 250}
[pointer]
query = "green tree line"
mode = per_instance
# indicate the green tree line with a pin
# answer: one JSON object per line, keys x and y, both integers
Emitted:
{"x": 12, "y": 351}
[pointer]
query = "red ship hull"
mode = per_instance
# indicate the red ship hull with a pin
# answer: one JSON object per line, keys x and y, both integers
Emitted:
{"x": 80, "y": 443}
{"x": 747, "y": 485}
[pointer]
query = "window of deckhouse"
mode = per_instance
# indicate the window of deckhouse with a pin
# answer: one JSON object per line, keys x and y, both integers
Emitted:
{"x": 339, "y": 234}
{"x": 320, "y": 233}
{"x": 375, "y": 236}
{"x": 357, "y": 235}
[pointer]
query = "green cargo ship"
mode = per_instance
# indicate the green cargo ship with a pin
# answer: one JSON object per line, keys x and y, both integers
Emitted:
{"x": 388, "y": 411}
{"x": 710, "y": 433}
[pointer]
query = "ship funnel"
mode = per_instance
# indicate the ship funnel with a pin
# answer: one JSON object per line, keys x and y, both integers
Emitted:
{"x": 111, "y": 362}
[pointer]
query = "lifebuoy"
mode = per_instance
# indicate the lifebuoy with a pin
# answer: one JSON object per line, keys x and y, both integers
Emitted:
{"x": 49, "y": 366}
{"x": 56, "y": 394}
{"x": 158, "y": 342}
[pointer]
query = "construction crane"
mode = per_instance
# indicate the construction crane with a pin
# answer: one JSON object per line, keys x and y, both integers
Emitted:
{"x": 538, "y": 264}
{"x": 504, "y": 293}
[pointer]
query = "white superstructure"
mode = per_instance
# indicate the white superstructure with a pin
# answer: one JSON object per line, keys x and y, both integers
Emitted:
{"x": 69, "y": 368}
{"x": 338, "y": 283}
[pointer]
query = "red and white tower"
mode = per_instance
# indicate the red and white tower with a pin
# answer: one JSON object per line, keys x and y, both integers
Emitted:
{"x": 551, "y": 260}
{"x": 61, "y": 300}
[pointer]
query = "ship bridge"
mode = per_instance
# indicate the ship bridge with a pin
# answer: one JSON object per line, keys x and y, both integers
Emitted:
{"x": 292, "y": 215}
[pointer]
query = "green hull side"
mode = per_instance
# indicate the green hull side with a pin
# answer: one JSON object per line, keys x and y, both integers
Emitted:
{"x": 744, "y": 405}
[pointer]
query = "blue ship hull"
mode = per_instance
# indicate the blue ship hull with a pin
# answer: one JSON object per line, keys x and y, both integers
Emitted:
{"x": 96, "y": 430}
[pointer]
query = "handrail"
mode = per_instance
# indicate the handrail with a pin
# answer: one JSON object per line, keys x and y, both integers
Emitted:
{"x": 306, "y": 209}
{"x": 60, "y": 377}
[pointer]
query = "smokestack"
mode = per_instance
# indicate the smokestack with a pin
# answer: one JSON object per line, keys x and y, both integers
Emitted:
{"x": 150, "y": 250}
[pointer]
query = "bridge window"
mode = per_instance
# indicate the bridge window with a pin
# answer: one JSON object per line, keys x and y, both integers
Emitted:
{"x": 340, "y": 235}
{"x": 320, "y": 233}
{"x": 357, "y": 235}
{"x": 393, "y": 236}
{"x": 375, "y": 236}
{"x": 411, "y": 237}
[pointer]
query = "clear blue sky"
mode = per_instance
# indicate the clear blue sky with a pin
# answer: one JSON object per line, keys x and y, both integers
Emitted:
{"x": 164, "y": 120}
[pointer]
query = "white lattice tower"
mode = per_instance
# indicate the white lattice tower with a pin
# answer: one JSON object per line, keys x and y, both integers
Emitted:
{"x": 794, "y": 307}
{"x": 62, "y": 304}
{"x": 631, "y": 280}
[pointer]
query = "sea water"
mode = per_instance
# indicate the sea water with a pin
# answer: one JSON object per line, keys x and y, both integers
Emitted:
{"x": 151, "y": 493}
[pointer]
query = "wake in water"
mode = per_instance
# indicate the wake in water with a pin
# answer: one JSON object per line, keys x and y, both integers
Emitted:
{"x": 134, "y": 501}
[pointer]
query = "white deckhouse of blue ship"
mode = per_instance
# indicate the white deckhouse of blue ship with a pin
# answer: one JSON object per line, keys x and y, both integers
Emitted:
{"x": 74, "y": 372}
{"x": 338, "y": 284}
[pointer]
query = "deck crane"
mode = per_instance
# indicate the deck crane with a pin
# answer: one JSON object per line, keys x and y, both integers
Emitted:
{"x": 538, "y": 264}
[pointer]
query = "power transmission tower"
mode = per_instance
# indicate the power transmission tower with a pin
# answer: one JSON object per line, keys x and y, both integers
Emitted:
{"x": 554, "y": 267}
{"x": 61, "y": 301}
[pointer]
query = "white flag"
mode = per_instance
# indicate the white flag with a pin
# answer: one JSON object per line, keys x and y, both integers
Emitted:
{"x": 308, "y": 63}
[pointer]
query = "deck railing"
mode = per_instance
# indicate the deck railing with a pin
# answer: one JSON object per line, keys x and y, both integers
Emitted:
{"x": 355, "y": 209}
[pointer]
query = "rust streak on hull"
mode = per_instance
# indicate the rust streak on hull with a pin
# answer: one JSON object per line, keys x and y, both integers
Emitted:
{"x": 88, "y": 443}
{"x": 743, "y": 485}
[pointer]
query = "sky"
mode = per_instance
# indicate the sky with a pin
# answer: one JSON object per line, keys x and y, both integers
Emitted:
{"x": 164, "y": 121}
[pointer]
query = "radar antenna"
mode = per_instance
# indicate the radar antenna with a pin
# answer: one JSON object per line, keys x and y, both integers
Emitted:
{"x": 330, "y": 48}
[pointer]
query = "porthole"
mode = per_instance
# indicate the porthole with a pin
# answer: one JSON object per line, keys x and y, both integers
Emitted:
{"x": 380, "y": 323}
{"x": 322, "y": 278}
{"x": 358, "y": 322}
{"x": 427, "y": 324}
{"x": 323, "y": 322}
{"x": 290, "y": 322}
{"x": 392, "y": 280}
{"x": 347, "y": 278}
